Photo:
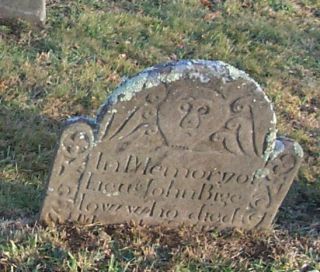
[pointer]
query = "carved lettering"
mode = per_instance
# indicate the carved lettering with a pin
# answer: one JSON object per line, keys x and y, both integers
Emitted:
{"x": 190, "y": 142}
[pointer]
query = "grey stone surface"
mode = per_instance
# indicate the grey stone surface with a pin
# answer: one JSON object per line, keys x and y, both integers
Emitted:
{"x": 32, "y": 10}
{"x": 189, "y": 142}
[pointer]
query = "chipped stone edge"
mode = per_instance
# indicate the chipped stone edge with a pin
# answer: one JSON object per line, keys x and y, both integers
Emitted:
{"x": 298, "y": 151}
{"x": 279, "y": 149}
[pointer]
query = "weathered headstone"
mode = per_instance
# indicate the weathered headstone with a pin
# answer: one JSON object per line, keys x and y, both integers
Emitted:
{"x": 32, "y": 10}
{"x": 190, "y": 142}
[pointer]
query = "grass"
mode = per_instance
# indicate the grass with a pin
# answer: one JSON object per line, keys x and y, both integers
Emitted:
{"x": 85, "y": 50}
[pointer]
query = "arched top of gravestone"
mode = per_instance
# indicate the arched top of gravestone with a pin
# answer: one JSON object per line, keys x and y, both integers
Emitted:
{"x": 199, "y": 105}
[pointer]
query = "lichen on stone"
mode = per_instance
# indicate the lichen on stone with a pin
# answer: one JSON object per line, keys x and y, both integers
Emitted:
{"x": 261, "y": 173}
{"x": 278, "y": 149}
{"x": 203, "y": 78}
{"x": 194, "y": 69}
{"x": 126, "y": 91}
{"x": 298, "y": 149}
{"x": 270, "y": 143}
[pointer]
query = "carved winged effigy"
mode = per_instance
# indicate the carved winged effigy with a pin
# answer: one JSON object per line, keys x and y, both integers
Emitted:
{"x": 184, "y": 143}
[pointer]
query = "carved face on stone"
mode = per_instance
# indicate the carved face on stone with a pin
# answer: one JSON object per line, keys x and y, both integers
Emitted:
{"x": 187, "y": 116}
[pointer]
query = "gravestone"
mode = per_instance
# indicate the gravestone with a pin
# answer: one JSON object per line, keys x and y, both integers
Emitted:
{"x": 32, "y": 10}
{"x": 184, "y": 143}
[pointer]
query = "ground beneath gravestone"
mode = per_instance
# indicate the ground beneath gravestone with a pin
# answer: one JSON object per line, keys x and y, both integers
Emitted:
{"x": 85, "y": 50}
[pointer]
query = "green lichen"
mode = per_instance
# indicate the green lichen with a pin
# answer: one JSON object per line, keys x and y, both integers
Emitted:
{"x": 235, "y": 73}
{"x": 202, "y": 70}
{"x": 261, "y": 173}
{"x": 173, "y": 76}
{"x": 298, "y": 149}
{"x": 126, "y": 91}
{"x": 203, "y": 78}
{"x": 270, "y": 143}
{"x": 278, "y": 149}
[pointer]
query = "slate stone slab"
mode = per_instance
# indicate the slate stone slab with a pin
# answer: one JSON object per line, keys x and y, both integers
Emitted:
{"x": 189, "y": 142}
{"x": 32, "y": 10}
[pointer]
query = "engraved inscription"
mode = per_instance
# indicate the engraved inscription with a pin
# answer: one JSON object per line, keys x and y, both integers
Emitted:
{"x": 184, "y": 143}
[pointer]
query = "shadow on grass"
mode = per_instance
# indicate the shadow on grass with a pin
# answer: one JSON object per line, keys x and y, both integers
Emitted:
{"x": 27, "y": 143}
{"x": 300, "y": 211}
{"x": 19, "y": 200}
